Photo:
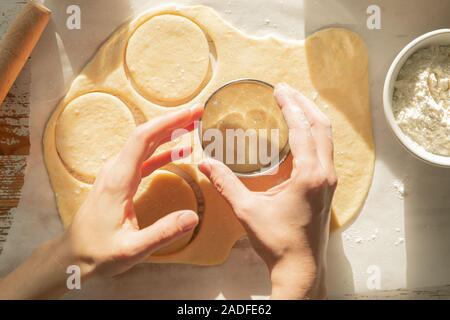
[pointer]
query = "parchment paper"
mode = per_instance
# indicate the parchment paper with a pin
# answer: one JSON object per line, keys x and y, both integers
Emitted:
{"x": 402, "y": 231}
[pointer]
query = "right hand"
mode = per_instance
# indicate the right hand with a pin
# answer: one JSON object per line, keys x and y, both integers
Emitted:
{"x": 288, "y": 225}
{"x": 104, "y": 237}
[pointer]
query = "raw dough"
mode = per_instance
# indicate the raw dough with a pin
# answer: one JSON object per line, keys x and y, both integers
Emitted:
{"x": 168, "y": 59}
{"x": 245, "y": 106}
{"x": 76, "y": 142}
{"x": 166, "y": 192}
{"x": 338, "y": 68}
{"x": 332, "y": 66}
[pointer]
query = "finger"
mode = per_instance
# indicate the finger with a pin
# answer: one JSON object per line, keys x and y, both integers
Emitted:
{"x": 160, "y": 160}
{"x": 178, "y": 133}
{"x": 226, "y": 182}
{"x": 165, "y": 230}
{"x": 151, "y": 133}
{"x": 146, "y": 139}
{"x": 320, "y": 128}
{"x": 301, "y": 142}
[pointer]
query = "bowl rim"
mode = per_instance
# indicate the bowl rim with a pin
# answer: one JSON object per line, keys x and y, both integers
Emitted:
{"x": 414, "y": 148}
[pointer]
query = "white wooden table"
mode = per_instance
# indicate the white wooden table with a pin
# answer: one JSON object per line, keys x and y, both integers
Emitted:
{"x": 423, "y": 211}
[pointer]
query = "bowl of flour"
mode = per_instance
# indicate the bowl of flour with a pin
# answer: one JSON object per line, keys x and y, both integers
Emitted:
{"x": 417, "y": 97}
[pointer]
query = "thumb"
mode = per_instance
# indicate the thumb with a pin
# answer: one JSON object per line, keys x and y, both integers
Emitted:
{"x": 225, "y": 181}
{"x": 166, "y": 230}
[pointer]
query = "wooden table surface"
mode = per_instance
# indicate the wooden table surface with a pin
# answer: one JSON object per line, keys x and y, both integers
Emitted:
{"x": 14, "y": 134}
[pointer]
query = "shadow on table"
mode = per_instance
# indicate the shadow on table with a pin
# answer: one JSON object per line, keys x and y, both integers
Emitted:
{"x": 242, "y": 276}
{"x": 339, "y": 270}
{"x": 427, "y": 228}
{"x": 427, "y": 199}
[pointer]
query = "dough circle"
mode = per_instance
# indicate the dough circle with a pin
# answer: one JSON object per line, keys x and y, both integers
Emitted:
{"x": 168, "y": 59}
{"x": 162, "y": 193}
{"x": 250, "y": 107}
{"x": 91, "y": 129}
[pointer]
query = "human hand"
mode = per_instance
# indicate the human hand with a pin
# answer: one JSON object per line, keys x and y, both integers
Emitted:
{"x": 288, "y": 225}
{"x": 104, "y": 237}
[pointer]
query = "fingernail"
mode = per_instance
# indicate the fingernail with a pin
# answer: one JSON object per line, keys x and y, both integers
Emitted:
{"x": 205, "y": 164}
{"x": 282, "y": 89}
{"x": 283, "y": 95}
{"x": 187, "y": 221}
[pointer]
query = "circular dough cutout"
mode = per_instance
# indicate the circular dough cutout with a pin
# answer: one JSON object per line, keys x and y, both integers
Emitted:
{"x": 160, "y": 194}
{"x": 91, "y": 129}
{"x": 168, "y": 59}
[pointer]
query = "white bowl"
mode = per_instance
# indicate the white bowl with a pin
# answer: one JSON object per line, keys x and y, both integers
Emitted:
{"x": 438, "y": 37}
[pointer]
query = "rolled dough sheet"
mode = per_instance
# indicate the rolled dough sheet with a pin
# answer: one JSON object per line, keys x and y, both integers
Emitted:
{"x": 330, "y": 68}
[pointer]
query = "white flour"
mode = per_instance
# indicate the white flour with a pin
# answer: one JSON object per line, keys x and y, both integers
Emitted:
{"x": 422, "y": 99}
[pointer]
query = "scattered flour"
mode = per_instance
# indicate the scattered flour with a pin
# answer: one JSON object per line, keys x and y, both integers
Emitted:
{"x": 421, "y": 101}
{"x": 399, "y": 189}
{"x": 354, "y": 236}
{"x": 399, "y": 241}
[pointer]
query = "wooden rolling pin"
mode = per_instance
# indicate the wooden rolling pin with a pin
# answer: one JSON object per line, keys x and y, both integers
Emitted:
{"x": 18, "y": 43}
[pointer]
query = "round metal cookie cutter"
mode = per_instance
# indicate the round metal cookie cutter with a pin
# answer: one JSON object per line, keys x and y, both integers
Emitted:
{"x": 267, "y": 170}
